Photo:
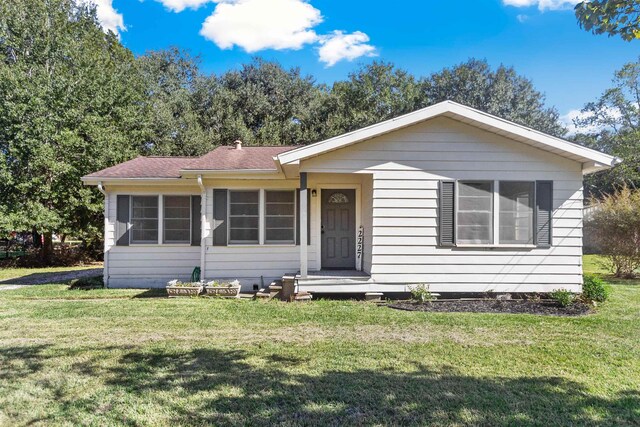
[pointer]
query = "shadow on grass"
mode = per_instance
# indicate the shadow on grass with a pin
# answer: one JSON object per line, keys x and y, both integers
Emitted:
{"x": 233, "y": 391}
{"x": 152, "y": 293}
{"x": 18, "y": 362}
{"x": 56, "y": 277}
{"x": 212, "y": 386}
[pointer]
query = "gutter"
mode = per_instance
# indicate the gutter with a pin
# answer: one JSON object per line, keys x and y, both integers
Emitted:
{"x": 203, "y": 222}
{"x": 105, "y": 270}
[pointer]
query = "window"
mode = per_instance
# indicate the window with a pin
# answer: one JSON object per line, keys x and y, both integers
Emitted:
{"x": 177, "y": 219}
{"x": 280, "y": 216}
{"x": 244, "y": 217}
{"x": 495, "y": 213}
{"x": 144, "y": 219}
{"x": 516, "y": 212}
{"x": 475, "y": 212}
{"x": 338, "y": 199}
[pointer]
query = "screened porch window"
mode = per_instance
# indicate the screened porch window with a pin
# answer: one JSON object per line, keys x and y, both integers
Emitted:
{"x": 475, "y": 212}
{"x": 244, "y": 217}
{"x": 177, "y": 219}
{"x": 144, "y": 219}
{"x": 280, "y": 216}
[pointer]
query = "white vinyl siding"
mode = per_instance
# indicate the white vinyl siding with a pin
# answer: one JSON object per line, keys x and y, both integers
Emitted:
{"x": 255, "y": 264}
{"x": 147, "y": 265}
{"x": 407, "y": 166}
{"x": 399, "y": 174}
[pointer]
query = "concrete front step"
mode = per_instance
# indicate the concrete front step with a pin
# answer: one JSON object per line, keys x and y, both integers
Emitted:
{"x": 303, "y": 296}
{"x": 263, "y": 294}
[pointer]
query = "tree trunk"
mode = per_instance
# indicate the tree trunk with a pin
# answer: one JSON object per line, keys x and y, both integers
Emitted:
{"x": 37, "y": 243}
{"x": 47, "y": 247}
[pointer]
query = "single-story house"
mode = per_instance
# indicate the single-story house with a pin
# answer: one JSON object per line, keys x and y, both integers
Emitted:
{"x": 447, "y": 196}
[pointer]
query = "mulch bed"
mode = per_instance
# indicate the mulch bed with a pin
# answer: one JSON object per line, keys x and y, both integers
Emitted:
{"x": 546, "y": 308}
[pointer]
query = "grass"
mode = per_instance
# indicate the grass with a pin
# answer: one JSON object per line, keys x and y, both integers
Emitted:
{"x": 13, "y": 273}
{"x": 120, "y": 358}
{"x": 597, "y": 265}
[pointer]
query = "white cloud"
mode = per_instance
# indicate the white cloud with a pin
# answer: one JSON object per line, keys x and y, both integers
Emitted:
{"x": 180, "y": 5}
{"x": 543, "y": 4}
{"x": 255, "y": 25}
{"x": 569, "y": 120}
{"x": 338, "y": 46}
{"x": 522, "y": 18}
{"x": 108, "y": 16}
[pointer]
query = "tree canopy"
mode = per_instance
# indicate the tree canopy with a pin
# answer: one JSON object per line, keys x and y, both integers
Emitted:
{"x": 612, "y": 124}
{"x": 74, "y": 100}
{"x": 69, "y": 96}
{"x": 611, "y": 17}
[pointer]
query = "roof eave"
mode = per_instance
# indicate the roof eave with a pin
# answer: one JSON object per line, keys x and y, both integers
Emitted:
{"x": 593, "y": 167}
{"x": 95, "y": 180}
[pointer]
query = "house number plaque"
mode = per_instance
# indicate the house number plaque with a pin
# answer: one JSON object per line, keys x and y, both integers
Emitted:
{"x": 359, "y": 246}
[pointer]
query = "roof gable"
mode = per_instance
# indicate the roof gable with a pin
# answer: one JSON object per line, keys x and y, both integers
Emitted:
{"x": 464, "y": 114}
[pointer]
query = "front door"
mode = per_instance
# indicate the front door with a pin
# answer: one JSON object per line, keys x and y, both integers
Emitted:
{"x": 338, "y": 229}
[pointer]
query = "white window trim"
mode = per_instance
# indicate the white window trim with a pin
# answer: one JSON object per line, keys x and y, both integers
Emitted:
{"x": 533, "y": 216}
{"x": 190, "y": 197}
{"x": 317, "y": 233}
{"x": 160, "y": 218}
{"x": 495, "y": 243}
{"x": 493, "y": 240}
{"x": 262, "y": 207}
{"x": 245, "y": 190}
{"x": 264, "y": 218}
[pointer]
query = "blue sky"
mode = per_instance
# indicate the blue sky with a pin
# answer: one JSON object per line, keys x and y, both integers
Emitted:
{"x": 328, "y": 39}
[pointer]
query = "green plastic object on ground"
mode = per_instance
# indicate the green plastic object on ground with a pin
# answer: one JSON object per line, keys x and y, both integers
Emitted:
{"x": 195, "y": 276}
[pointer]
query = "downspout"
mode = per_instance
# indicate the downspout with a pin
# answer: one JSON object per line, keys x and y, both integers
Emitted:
{"x": 105, "y": 270}
{"x": 203, "y": 231}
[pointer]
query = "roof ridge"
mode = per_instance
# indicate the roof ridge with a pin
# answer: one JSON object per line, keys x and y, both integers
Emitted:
{"x": 170, "y": 157}
{"x": 259, "y": 146}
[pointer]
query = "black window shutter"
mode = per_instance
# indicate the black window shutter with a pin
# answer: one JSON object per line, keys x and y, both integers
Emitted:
{"x": 446, "y": 214}
{"x": 308, "y": 216}
{"x": 544, "y": 212}
{"x": 219, "y": 225}
{"x": 196, "y": 233}
{"x": 122, "y": 220}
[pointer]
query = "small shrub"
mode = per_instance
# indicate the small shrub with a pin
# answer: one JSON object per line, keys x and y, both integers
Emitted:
{"x": 421, "y": 293}
{"x": 217, "y": 284}
{"x": 594, "y": 289}
{"x": 613, "y": 225}
{"x": 179, "y": 284}
{"x": 562, "y": 296}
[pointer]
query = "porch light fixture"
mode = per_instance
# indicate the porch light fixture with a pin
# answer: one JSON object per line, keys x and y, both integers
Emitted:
{"x": 314, "y": 193}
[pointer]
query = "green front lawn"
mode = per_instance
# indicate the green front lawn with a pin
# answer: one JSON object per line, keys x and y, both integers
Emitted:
{"x": 122, "y": 358}
{"x": 13, "y": 273}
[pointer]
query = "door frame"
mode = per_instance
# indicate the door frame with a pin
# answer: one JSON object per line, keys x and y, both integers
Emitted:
{"x": 318, "y": 213}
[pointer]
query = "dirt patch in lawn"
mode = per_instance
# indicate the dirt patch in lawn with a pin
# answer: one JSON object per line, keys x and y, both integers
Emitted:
{"x": 547, "y": 308}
